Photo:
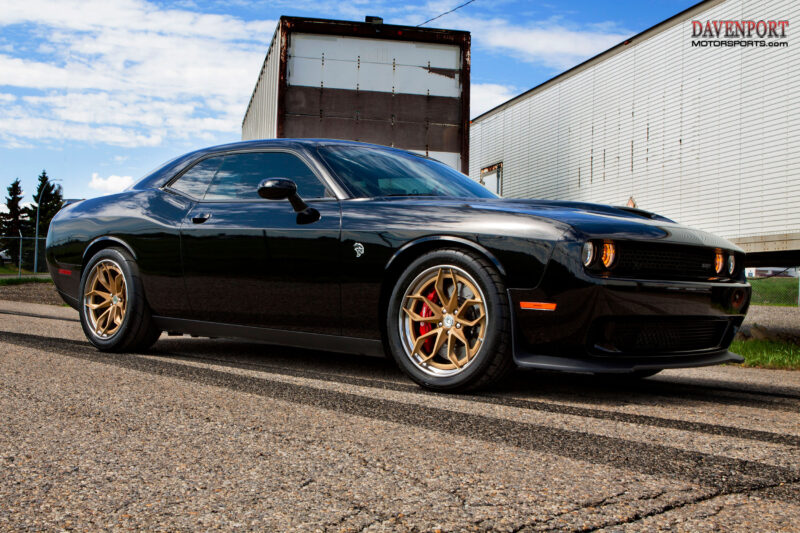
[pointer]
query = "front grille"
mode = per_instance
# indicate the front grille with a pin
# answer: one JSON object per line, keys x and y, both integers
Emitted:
{"x": 664, "y": 261}
{"x": 655, "y": 336}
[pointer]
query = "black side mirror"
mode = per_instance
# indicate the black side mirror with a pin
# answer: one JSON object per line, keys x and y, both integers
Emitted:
{"x": 277, "y": 188}
{"x": 286, "y": 189}
{"x": 281, "y": 189}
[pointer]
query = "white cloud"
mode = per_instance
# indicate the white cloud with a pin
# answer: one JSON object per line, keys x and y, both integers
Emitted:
{"x": 555, "y": 46}
{"x": 135, "y": 15}
{"x": 485, "y": 96}
{"x": 110, "y": 184}
{"x": 127, "y": 72}
{"x": 133, "y": 73}
{"x": 553, "y": 43}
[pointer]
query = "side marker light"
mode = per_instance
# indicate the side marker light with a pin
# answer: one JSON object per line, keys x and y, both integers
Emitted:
{"x": 538, "y": 306}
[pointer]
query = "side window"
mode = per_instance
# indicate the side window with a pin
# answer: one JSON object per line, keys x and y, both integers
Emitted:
{"x": 240, "y": 174}
{"x": 195, "y": 181}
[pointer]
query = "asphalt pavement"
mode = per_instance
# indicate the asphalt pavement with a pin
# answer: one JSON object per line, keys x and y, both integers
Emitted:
{"x": 203, "y": 434}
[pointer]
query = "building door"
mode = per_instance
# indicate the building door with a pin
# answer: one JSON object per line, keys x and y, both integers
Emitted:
{"x": 492, "y": 178}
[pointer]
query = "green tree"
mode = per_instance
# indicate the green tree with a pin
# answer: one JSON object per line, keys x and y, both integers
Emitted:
{"x": 48, "y": 199}
{"x": 12, "y": 219}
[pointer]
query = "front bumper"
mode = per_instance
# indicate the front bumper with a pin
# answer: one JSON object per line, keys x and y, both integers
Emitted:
{"x": 615, "y": 325}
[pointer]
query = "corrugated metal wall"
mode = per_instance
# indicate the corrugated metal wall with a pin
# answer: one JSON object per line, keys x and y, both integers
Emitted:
{"x": 382, "y": 65}
{"x": 261, "y": 119}
{"x": 707, "y": 136}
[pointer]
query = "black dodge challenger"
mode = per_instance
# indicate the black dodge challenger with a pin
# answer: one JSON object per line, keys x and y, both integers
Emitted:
{"x": 357, "y": 248}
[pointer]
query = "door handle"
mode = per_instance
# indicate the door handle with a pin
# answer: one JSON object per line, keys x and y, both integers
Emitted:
{"x": 199, "y": 219}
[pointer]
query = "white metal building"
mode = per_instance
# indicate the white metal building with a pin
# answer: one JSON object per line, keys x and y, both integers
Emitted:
{"x": 708, "y": 135}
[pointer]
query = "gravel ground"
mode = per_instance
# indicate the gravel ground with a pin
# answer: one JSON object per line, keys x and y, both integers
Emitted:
{"x": 203, "y": 434}
{"x": 40, "y": 293}
{"x": 783, "y": 321}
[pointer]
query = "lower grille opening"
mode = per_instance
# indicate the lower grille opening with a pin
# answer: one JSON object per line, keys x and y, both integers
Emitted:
{"x": 656, "y": 336}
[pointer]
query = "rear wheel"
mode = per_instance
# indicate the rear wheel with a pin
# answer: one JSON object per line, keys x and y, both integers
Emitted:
{"x": 113, "y": 311}
{"x": 448, "y": 322}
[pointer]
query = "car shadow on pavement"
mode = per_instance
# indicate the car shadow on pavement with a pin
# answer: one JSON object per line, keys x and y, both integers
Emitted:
{"x": 536, "y": 385}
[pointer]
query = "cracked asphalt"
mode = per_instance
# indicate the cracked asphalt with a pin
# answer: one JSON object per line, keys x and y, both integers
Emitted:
{"x": 215, "y": 434}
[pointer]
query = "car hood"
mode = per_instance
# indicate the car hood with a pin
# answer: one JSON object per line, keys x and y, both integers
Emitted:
{"x": 589, "y": 220}
{"x": 604, "y": 221}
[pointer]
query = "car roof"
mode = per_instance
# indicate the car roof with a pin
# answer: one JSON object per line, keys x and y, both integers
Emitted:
{"x": 268, "y": 143}
{"x": 158, "y": 176}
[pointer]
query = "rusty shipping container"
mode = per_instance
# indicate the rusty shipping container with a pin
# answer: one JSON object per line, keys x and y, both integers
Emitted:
{"x": 400, "y": 86}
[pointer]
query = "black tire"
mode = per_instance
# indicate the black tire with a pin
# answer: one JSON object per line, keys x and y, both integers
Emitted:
{"x": 137, "y": 331}
{"x": 493, "y": 360}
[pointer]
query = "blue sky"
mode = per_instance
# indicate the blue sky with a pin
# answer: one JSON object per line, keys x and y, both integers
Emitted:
{"x": 98, "y": 92}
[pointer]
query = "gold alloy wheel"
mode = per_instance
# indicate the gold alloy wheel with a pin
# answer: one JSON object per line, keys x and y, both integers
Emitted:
{"x": 106, "y": 298}
{"x": 443, "y": 320}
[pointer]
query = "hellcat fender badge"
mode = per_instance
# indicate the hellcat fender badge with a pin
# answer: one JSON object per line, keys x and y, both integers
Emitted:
{"x": 359, "y": 248}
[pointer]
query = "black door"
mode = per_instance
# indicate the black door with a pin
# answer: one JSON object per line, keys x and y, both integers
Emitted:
{"x": 250, "y": 261}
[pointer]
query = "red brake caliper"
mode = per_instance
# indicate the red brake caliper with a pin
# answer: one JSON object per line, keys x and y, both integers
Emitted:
{"x": 425, "y": 327}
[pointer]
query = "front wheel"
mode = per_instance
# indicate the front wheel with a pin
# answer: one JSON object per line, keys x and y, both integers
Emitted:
{"x": 448, "y": 322}
{"x": 113, "y": 311}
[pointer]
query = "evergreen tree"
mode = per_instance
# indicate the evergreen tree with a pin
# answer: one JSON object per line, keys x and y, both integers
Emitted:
{"x": 48, "y": 199}
{"x": 12, "y": 219}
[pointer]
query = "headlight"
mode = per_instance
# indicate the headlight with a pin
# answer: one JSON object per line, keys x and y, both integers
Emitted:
{"x": 731, "y": 264}
{"x": 719, "y": 262}
{"x": 587, "y": 254}
{"x": 609, "y": 254}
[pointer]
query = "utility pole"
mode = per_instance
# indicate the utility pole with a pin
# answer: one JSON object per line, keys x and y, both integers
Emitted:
{"x": 19, "y": 259}
{"x": 36, "y": 239}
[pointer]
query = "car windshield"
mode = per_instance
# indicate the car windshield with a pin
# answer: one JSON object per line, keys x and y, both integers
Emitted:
{"x": 370, "y": 172}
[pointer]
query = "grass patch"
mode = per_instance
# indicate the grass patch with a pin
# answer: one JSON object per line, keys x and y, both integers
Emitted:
{"x": 23, "y": 280}
{"x": 768, "y": 354}
{"x": 8, "y": 268}
{"x": 774, "y": 291}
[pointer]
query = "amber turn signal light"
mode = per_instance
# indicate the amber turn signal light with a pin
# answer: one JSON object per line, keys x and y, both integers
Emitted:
{"x": 609, "y": 254}
{"x": 719, "y": 262}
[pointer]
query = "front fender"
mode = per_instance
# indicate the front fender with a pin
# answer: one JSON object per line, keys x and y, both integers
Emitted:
{"x": 424, "y": 241}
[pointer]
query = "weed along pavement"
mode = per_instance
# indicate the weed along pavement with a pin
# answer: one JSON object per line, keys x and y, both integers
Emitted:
{"x": 204, "y": 434}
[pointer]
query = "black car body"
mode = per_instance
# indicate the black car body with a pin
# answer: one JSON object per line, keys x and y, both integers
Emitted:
{"x": 254, "y": 269}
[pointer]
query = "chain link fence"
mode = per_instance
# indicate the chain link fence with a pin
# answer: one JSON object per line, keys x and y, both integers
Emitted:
{"x": 20, "y": 256}
{"x": 775, "y": 286}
